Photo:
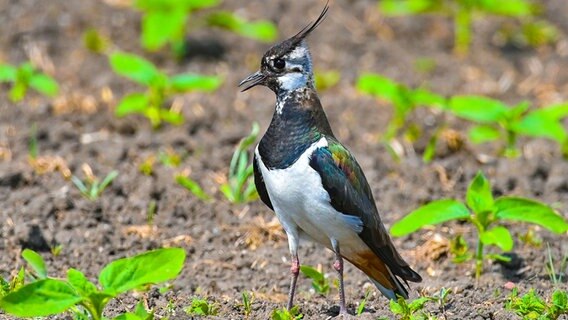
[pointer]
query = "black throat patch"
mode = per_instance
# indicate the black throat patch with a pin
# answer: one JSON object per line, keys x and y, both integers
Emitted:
{"x": 297, "y": 123}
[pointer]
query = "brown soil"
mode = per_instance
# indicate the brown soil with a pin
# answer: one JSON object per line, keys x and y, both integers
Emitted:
{"x": 233, "y": 248}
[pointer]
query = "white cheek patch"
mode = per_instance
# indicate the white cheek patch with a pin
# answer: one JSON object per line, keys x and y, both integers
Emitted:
{"x": 292, "y": 81}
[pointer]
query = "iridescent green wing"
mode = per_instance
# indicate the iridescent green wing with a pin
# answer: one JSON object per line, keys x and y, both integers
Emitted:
{"x": 351, "y": 195}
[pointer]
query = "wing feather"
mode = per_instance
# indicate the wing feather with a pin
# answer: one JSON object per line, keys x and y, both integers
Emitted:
{"x": 350, "y": 194}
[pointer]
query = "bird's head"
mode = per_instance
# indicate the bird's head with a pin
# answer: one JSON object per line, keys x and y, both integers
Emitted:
{"x": 287, "y": 65}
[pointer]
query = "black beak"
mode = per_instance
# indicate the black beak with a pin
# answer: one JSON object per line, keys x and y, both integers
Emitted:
{"x": 252, "y": 80}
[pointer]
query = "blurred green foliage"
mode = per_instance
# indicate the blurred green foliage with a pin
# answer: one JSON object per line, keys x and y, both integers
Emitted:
{"x": 165, "y": 21}
{"x": 159, "y": 88}
{"x": 25, "y": 76}
{"x": 463, "y": 12}
{"x": 483, "y": 212}
{"x": 497, "y": 121}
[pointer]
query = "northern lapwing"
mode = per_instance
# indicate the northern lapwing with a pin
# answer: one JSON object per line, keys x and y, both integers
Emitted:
{"x": 312, "y": 182}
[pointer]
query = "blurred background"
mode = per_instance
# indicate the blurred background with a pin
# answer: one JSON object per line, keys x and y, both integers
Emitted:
{"x": 121, "y": 130}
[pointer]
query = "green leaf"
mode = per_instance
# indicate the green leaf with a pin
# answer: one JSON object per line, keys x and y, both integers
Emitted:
{"x": 139, "y": 313}
{"x": 261, "y": 30}
{"x": 527, "y": 210}
{"x": 44, "y": 84}
{"x": 132, "y": 103}
{"x": 41, "y": 298}
{"x": 397, "y": 306}
{"x": 147, "y": 268}
{"x": 189, "y": 82}
{"x": 172, "y": 117}
{"x": 479, "y": 109}
{"x": 80, "y": 283}
{"x": 418, "y": 304}
{"x": 186, "y": 5}
{"x": 134, "y": 68}
{"x": 108, "y": 180}
{"x": 512, "y": 8}
{"x": 36, "y": 262}
{"x": 160, "y": 27}
{"x": 432, "y": 213}
{"x": 540, "y": 123}
{"x": 479, "y": 197}
{"x": 7, "y": 73}
{"x": 430, "y": 150}
{"x": 201, "y": 307}
{"x": 498, "y": 257}
{"x": 128, "y": 316}
{"x": 192, "y": 186}
{"x": 483, "y": 133}
{"x": 557, "y": 111}
{"x": 498, "y": 236}
{"x": 312, "y": 273}
{"x": 18, "y": 91}
{"x": 379, "y": 86}
{"x": 406, "y": 7}
{"x": 425, "y": 97}
{"x": 560, "y": 299}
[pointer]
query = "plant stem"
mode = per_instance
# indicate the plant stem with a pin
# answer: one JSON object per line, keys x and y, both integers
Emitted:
{"x": 462, "y": 29}
{"x": 95, "y": 314}
{"x": 479, "y": 259}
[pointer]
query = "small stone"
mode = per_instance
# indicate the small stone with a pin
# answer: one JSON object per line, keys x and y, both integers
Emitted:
{"x": 509, "y": 285}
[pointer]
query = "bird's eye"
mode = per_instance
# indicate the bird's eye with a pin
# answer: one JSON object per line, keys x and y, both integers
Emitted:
{"x": 278, "y": 63}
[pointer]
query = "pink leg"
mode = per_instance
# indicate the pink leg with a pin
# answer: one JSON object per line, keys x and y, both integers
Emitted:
{"x": 338, "y": 266}
{"x": 295, "y": 271}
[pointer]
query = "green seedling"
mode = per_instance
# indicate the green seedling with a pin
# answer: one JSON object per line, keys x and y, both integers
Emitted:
{"x": 170, "y": 158}
{"x": 25, "y": 76}
{"x": 285, "y": 314}
{"x": 151, "y": 212}
{"x": 91, "y": 188}
{"x": 6, "y": 287}
{"x": 159, "y": 89}
{"x": 555, "y": 278}
{"x": 461, "y": 11}
{"x": 532, "y": 306}
{"x": 240, "y": 186}
{"x": 486, "y": 214}
{"x": 146, "y": 167}
{"x": 166, "y": 21}
{"x": 403, "y": 99}
{"x": 192, "y": 186}
{"x": 534, "y": 33}
{"x": 531, "y": 238}
{"x": 50, "y": 296}
{"x": 363, "y": 303}
{"x": 247, "y": 304}
{"x": 319, "y": 282}
{"x": 459, "y": 249}
{"x": 442, "y": 299}
{"x": 94, "y": 41}
{"x": 201, "y": 307}
{"x": 495, "y": 121}
{"x": 326, "y": 79}
{"x": 409, "y": 310}
{"x": 56, "y": 250}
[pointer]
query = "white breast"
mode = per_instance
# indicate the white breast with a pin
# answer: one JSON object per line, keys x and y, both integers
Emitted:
{"x": 300, "y": 201}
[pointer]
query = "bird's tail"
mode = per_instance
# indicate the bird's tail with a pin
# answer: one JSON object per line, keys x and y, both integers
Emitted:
{"x": 395, "y": 288}
{"x": 380, "y": 274}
